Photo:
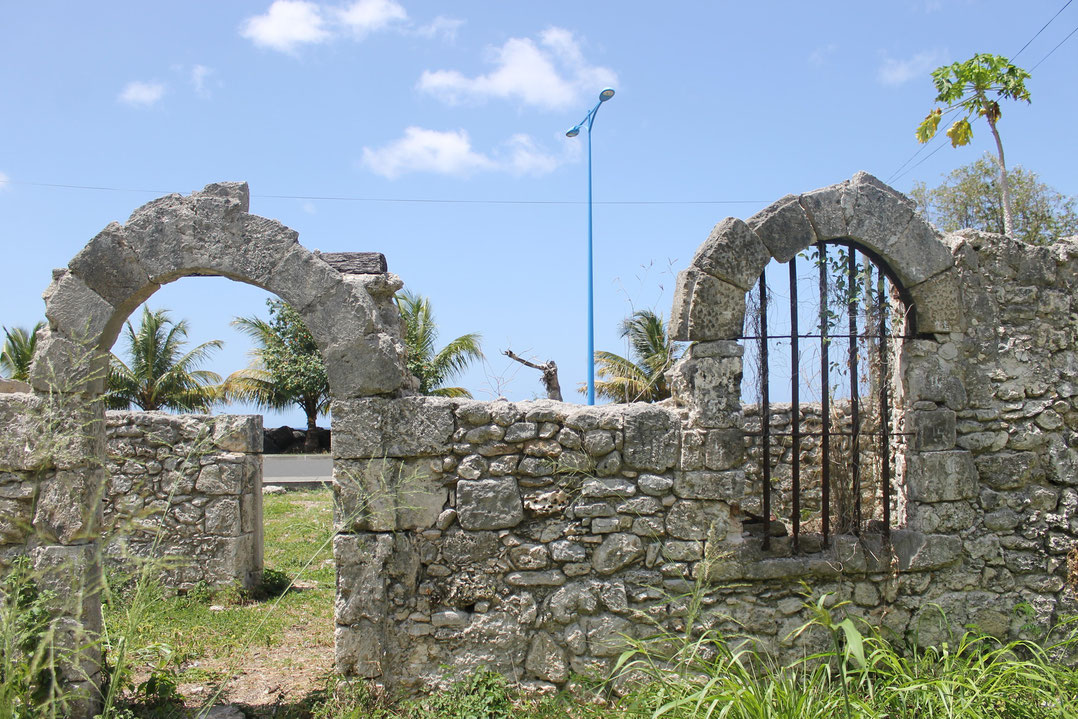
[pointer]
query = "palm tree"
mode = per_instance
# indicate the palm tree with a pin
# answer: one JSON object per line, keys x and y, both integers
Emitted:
{"x": 642, "y": 378}
{"x": 434, "y": 368}
{"x": 18, "y": 352}
{"x": 286, "y": 368}
{"x": 161, "y": 374}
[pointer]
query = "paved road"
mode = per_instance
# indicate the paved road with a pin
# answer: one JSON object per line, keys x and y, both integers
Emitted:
{"x": 297, "y": 471}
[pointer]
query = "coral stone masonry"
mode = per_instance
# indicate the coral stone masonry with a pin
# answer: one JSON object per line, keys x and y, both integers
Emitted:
{"x": 535, "y": 538}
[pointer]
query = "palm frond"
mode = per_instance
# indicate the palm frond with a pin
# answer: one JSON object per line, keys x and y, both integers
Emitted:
{"x": 18, "y": 351}
{"x": 434, "y": 368}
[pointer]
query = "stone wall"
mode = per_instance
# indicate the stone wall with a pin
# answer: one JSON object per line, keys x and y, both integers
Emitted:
{"x": 535, "y": 537}
{"x": 187, "y": 489}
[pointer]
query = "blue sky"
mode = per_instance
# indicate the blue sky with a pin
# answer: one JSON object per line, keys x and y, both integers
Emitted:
{"x": 457, "y": 113}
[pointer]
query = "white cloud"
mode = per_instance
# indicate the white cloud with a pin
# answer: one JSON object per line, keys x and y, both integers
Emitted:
{"x": 899, "y": 72}
{"x": 451, "y": 153}
{"x": 421, "y": 150}
{"x": 199, "y": 73}
{"x": 287, "y": 25}
{"x": 551, "y": 74}
{"x": 441, "y": 26}
{"x": 365, "y": 16}
{"x": 4, "y": 180}
{"x": 524, "y": 157}
{"x": 141, "y": 94}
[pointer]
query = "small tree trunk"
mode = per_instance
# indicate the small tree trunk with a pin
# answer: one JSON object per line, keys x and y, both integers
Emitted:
{"x": 310, "y": 442}
{"x": 550, "y": 374}
{"x": 1004, "y": 185}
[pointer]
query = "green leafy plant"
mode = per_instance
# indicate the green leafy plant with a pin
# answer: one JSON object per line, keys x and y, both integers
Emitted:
{"x": 161, "y": 374}
{"x": 969, "y": 197}
{"x": 28, "y": 661}
{"x": 18, "y": 352}
{"x": 975, "y": 87}
{"x": 286, "y": 367}
{"x": 432, "y": 367}
{"x": 641, "y": 377}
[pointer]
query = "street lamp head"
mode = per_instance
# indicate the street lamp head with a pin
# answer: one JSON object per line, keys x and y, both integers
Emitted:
{"x": 606, "y": 94}
{"x": 573, "y": 131}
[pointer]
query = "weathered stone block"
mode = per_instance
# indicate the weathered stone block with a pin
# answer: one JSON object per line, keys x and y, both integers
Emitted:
{"x": 489, "y": 504}
{"x": 546, "y": 659}
{"x": 706, "y": 308}
{"x": 938, "y": 305}
{"x": 238, "y": 433}
{"x": 728, "y": 485}
{"x": 941, "y": 476}
{"x": 371, "y": 365}
{"x": 386, "y": 495}
{"x": 733, "y": 253}
{"x": 405, "y": 427}
{"x": 929, "y": 378}
{"x": 710, "y": 386}
{"x": 783, "y": 227}
{"x": 724, "y": 449}
{"x": 617, "y": 552}
{"x": 1009, "y": 470}
{"x": 878, "y": 212}
{"x": 919, "y": 552}
{"x": 651, "y": 438}
{"x": 65, "y": 366}
{"x": 827, "y": 210}
{"x": 110, "y": 268}
{"x": 917, "y": 253}
{"x": 67, "y": 509}
{"x": 933, "y": 429}
{"x": 697, "y": 519}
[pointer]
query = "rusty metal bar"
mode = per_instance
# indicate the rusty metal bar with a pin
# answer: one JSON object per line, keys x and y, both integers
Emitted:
{"x": 765, "y": 412}
{"x": 825, "y": 394}
{"x": 885, "y": 407}
{"x": 795, "y": 402}
{"x": 855, "y": 453}
{"x": 803, "y": 335}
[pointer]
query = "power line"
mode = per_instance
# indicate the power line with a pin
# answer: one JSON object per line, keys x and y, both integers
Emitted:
{"x": 898, "y": 173}
{"x": 413, "y": 200}
{"x": 1055, "y": 48}
{"x": 1015, "y": 56}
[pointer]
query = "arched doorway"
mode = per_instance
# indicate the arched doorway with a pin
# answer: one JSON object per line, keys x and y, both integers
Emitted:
{"x": 344, "y": 299}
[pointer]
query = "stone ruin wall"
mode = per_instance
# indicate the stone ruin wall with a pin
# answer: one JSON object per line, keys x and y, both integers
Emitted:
{"x": 535, "y": 537}
{"x": 186, "y": 488}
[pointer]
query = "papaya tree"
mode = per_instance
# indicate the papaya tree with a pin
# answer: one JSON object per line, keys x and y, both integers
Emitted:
{"x": 975, "y": 87}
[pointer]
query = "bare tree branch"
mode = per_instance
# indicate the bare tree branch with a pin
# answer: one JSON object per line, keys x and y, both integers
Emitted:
{"x": 549, "y": 370}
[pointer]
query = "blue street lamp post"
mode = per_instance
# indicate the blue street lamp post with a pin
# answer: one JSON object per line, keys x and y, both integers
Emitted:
{"x": 588, "y": 121}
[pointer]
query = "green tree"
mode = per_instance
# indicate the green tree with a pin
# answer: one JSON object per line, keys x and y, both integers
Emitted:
{"x": 975, "y": 87}
{"x": 18, "y": 352}
{"x": 286, "y": 368}
{"x": 433, "y": 368}
{"x": 640, "y": 378}
{"x": 969, "y": 197}
{"x": 161, "y": 375}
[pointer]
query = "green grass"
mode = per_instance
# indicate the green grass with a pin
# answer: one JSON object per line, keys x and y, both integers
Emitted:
{"x": 221, "y": 626}
{"x": 681, "y": 676}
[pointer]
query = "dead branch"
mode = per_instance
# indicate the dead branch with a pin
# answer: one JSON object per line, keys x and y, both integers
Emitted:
{"x": 549, "y": 370}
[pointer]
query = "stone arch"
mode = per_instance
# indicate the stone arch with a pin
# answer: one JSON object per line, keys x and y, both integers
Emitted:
{"x": 709, "y": 303}
{"x": 211, "y": 233}
{"x": 346, "y": 300}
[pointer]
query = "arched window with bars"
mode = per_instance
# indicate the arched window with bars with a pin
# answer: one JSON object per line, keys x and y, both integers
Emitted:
{"x": 822, "y": 337}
